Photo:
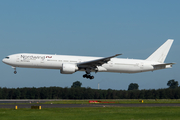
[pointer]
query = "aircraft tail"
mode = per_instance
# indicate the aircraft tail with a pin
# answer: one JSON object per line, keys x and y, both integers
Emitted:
{"x": 160, "y": 54}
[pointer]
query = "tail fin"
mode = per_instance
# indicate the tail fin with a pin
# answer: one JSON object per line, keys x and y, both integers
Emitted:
{"x": 160, "y": 54}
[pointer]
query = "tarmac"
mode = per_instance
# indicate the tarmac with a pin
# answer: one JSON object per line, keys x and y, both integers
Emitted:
{"x": 20, "y": 104}
{"x": 85, "y": 105}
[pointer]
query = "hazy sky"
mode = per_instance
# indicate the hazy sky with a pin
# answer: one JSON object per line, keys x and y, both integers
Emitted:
{"x": 91, "y": 28}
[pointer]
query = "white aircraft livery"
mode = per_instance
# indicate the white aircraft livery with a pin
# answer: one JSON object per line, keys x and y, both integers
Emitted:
{"x": 70, "y": 64}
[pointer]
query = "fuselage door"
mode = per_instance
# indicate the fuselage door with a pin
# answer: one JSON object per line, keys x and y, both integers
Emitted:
{"x": 18, "y": 58}
{"x": 141, "y": 65}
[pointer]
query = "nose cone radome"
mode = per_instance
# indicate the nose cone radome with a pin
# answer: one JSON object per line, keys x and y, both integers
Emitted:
{"x": 6, "y": 61}
{"x": 3, "y": 60}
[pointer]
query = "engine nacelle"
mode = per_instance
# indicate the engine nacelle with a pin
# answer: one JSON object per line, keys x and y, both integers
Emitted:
{"x": 68, "y": 68}
{"x": 101, "y": 69}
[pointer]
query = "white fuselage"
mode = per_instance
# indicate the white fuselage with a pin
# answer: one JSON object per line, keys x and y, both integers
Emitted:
{"x": 70, "y": 64}
{"x": 47, "y": 61}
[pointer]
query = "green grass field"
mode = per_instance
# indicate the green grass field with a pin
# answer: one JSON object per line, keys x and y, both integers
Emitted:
{"x": 99, "y": 113}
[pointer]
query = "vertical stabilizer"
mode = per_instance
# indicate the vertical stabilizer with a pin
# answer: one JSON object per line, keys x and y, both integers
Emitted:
{"x": 160, "y": 54}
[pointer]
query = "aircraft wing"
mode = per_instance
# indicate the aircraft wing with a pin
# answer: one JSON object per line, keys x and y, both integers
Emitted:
{"x": 97, "y": 62}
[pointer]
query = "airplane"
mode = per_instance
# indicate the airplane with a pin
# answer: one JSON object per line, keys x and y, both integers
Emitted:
{"x": 70, "y": 64}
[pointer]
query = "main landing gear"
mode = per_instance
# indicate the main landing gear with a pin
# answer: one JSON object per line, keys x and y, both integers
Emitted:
{"x": 88, "y": 74}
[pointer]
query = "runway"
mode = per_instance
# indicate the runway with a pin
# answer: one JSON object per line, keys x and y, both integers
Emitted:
{"x": 27, "y": 103}
{"x": 86, "y": 105}
{"x": 25, "y": 100}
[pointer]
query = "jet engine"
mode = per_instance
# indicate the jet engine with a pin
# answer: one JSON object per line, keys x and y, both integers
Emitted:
{"x": 68, "y": 68}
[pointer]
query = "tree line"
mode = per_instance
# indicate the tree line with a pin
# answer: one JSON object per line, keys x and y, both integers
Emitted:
{"x": 78, "y": 92}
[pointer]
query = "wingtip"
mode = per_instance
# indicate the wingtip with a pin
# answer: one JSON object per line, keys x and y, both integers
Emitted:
{"x": 118, "y": 54}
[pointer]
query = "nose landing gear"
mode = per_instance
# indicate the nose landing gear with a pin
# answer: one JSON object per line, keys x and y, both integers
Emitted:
{"x": 14, "y": 70}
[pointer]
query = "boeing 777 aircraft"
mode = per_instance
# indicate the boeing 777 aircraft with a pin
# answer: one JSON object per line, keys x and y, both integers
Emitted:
{"x": 71, "y": 64}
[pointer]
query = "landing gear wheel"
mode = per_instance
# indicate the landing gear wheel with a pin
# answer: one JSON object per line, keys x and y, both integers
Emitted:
{"x": 91, "y": 77}
{"x": 14, "y": 70}
{"x": 88, "y": 76}
{"x": 85, "y": 76}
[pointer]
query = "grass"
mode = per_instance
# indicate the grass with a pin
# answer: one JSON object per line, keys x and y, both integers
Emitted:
{"x": 99, "y": 113}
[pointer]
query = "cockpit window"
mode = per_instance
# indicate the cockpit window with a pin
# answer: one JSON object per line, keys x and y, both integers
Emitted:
{"x": 7, "y": 57}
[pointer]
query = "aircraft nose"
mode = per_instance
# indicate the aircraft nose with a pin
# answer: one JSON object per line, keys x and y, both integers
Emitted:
{"x": 3, "y": 60}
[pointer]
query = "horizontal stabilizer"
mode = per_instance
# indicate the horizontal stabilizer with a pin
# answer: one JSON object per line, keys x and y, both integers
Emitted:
{"x": 162, "y": 66}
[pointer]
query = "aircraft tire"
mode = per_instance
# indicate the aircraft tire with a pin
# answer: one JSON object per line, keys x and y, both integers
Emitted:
{"x": 91, "y": 77}
{"x": 84, "y": 76}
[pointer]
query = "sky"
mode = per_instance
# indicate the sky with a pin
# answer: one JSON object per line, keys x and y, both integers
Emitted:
{"x": 89, "y": 28}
